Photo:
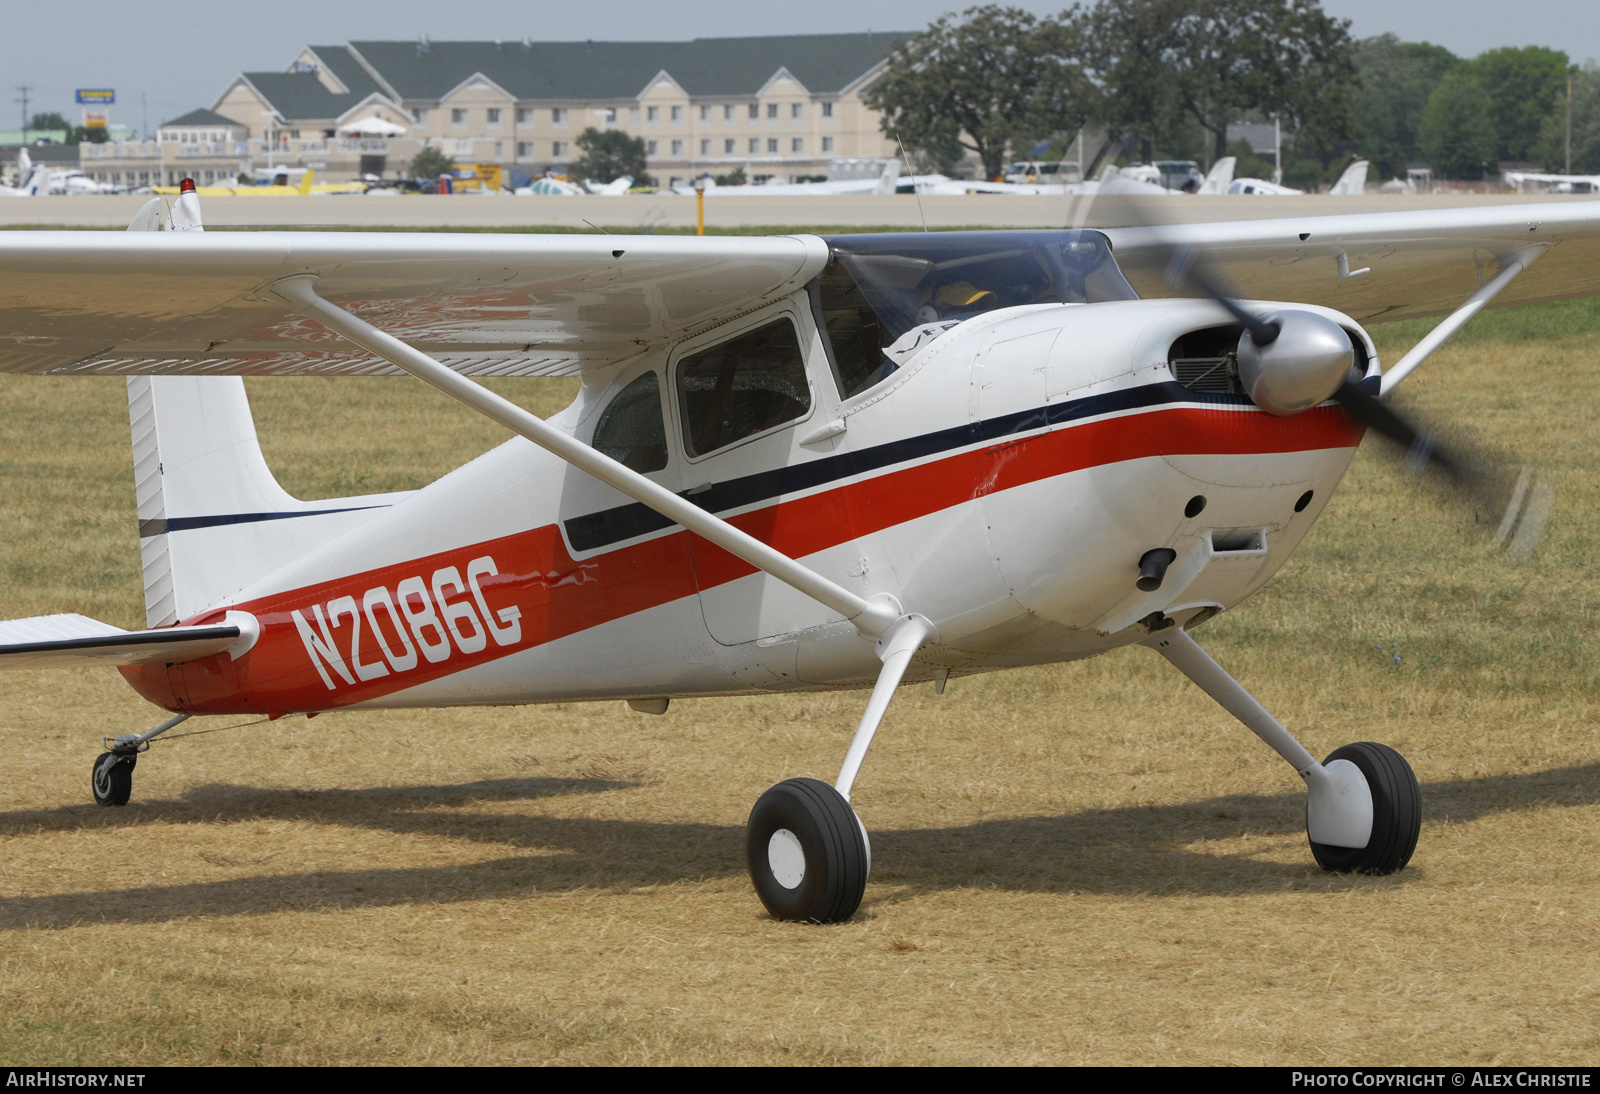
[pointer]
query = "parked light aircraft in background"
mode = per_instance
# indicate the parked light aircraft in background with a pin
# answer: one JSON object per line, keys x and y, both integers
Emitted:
{"x": 1539, "y": 183}
{"x": 795, "y": 463}
{"x": 1351, "y": 181}
{"x": 884, "y": 183}
{"x": 32, "y": 180}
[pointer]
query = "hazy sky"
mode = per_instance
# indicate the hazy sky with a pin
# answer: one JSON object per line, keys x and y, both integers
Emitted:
{"x": 180, "y": 55}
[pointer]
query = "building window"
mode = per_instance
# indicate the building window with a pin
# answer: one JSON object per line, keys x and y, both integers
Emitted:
{"x": 458, "y": 116}
{"x": 524, "y": 150}
{"x": 609, "y": 115}
{"x": 727, "y": 112}
{"x": 558, "y": 115}
{"x": 827, "y": 110}
{"x": 633, "y": 116}
{"x": 727, "y": 147}
{"x": 827, "y": 144}
{"x": 705, "y": 148}
{"x": 463, "y": 148}
{"x": 558, "y": 149}
{"x": 798, "y": 144}
{"x": 677, "y": 115}
{"x": 772, "y": 111}
{"x": 499, "y": 150}
{"x": 419, "y": 114}
{"x": 705, "y": 113}
{"x": 652, "y": 114}
{"x": 755, "y": 144}
{"x": 755, "y": 112}
{"x": 494, "y": 115}
{"x": 772, "y": 144}
{"x": 650, "y": 148}
{"x": 797, "y": 110}
{"x": 524, "y": 115}
{"x": 677, "y": 148}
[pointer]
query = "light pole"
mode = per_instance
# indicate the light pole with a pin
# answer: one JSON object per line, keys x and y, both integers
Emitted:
{"x": 268, "y": 114}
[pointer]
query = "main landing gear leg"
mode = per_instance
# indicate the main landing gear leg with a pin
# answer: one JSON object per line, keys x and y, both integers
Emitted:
{"x": 1363, "y": 809}
{"x": 808, "y": 851}
{"x": 111, "y": 778}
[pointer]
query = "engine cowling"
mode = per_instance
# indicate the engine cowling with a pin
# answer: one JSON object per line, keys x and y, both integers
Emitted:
{"x": 1303, "y": 366}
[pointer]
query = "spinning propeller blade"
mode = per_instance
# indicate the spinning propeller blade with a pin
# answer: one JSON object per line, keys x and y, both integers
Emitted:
{"x": 1488, "y": 482}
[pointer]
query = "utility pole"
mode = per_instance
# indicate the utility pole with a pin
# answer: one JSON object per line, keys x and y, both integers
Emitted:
{"x": 1569, "y": 125}
{"x": 1277, "y": 150}
{"x": 24, "y": 88}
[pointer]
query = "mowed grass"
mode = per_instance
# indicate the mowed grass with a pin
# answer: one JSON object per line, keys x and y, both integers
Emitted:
{"x": 1087, "y": 863}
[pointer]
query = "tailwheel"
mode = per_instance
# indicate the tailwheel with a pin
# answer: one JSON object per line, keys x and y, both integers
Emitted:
{"x": 808, "y": 852}
{"x": 1396, "y": 813}
{"x": 112, "y": 777}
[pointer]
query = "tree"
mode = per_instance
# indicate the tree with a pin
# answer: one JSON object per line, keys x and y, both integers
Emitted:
{"x": 1585, "y": 126}
{"x": 1217, "y": 60}
{"x": 610, "y": 154}
{"x": 430, "y": 163}
{"x": 985, "y": 83}
{"x": 51, "y": 120}
{"x": 1457, "y": 134}
{"x": 1395, "y": 79}
{"x": 1524, "y": 87}
{"x": 1126, "y": 51}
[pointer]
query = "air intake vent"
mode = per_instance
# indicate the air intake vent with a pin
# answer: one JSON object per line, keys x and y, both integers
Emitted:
{"x": 1207, "y": 360}
{"x": 1206, "y": 373}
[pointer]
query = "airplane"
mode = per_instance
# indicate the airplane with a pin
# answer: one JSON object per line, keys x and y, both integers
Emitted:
{"x": 795, "y": 463}
{"x": 885, "y": 183}
{"x": 276, "y": 187}
{"x": 1352, "y": 181}
{"x": 1540, "y": 183}
{"x": 550, "y": 186}
{"x": 32, "y": 180}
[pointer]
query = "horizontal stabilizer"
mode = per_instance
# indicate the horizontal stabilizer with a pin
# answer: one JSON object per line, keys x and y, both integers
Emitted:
{"x": 64, "y": 641}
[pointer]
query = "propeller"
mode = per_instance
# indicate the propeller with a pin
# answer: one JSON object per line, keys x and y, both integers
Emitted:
{"x": 1292, "y": 360}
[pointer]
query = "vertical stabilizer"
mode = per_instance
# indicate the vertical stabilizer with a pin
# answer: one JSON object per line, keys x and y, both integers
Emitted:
{"x": 212, "y": 518}
{"x": 1353, "y": 181}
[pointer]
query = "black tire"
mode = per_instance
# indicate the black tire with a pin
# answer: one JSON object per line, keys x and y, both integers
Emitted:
{"x": 111, "y": 778}
{"x": 1396, "y": 813}
{"x": 817, "y": 818}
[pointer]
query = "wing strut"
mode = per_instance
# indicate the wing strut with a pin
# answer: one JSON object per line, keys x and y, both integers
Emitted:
{"x": 871, "y": 617}
{"x": 1510, "y": 267}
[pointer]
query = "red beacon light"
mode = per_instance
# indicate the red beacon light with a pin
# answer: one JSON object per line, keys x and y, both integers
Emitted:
{"x": 186, "y": 186}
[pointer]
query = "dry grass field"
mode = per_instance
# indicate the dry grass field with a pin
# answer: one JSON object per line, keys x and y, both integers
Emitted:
{"x": 1087, "y": 863}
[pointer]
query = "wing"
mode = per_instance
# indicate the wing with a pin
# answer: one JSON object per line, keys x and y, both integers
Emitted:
{"x": 196, "y": 302}
{"x": 64, "y": 641}
{"x": 1425, "y": 262}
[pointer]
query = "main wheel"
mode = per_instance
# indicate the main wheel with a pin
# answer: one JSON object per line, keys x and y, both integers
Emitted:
{"x": 1396, "y": 813}
{"x": 112, "y": 778}
{"x": 807, "y": 852}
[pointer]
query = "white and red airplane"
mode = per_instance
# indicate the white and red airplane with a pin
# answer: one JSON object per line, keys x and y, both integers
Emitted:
{"x": 795, "y": 463}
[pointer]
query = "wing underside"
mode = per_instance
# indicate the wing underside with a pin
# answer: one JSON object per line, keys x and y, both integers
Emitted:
{"x": 520, "y": 305}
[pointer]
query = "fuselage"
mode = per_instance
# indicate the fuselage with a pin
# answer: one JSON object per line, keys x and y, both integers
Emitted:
{"x": 1003, "y": 480}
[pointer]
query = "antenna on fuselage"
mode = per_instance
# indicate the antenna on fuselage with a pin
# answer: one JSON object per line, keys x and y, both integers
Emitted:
{"x": 914, "y": 192}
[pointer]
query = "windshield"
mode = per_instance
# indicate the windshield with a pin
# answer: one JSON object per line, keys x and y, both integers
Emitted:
{"x": 876, "y": 288}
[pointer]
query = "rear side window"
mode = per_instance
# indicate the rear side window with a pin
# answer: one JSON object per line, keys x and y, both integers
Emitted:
{"x": 742, "y": 387}
{"x": 631, "y": 430}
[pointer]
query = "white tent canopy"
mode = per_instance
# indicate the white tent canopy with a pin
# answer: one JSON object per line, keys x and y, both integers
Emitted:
{"x": 373, "y": 127}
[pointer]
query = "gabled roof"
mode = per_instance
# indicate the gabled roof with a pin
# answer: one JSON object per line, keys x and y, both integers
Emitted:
{"x": 202, "y": 117}
{"x": 300, "y": 96}
{"x": 347, "y": 70}
{"x": 824, "y": 63}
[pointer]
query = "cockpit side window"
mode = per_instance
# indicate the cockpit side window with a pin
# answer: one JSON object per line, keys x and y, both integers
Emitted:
{"x": 855, "y": 335}
{"x": 742, "y": 387}
{"x": 632, "y": 430}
